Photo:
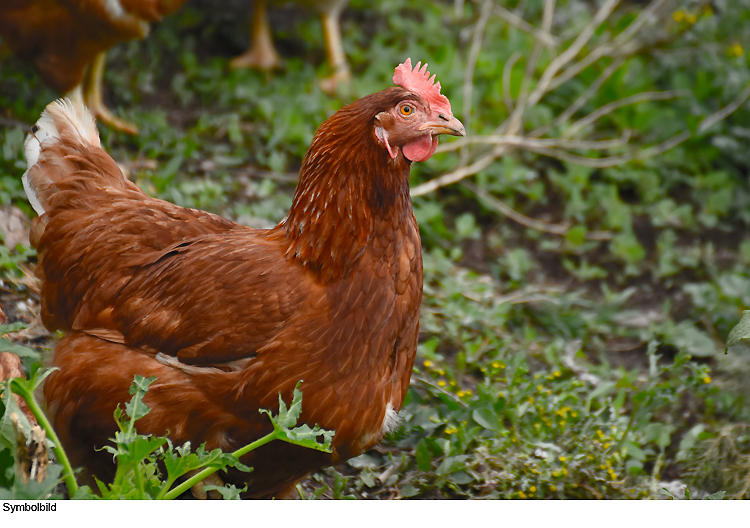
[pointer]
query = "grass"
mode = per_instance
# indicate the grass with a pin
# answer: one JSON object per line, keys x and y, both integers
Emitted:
{"x": 575, "y": 313}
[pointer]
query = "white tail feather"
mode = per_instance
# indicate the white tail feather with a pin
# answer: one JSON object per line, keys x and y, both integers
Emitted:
{"x": 61, "y": 118}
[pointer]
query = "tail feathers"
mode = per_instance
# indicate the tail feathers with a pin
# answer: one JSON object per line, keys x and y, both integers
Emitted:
{"x": 62, "y": 122}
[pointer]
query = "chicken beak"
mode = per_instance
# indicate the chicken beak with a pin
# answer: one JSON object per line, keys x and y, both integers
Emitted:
{"x": 446, "y": 125}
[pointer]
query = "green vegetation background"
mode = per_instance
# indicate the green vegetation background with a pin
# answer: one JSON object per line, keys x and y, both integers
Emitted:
{"x": 578, "y": 294}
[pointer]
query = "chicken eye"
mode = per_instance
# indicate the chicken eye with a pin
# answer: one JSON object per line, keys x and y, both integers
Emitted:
{"x": 406, "y": 110}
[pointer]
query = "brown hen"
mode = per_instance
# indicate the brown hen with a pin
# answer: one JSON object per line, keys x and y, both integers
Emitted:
{"x": 66, "y": 41}
{"x": 227, "y": 317}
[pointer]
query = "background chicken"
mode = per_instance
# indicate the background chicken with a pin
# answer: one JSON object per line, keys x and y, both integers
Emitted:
{"x": 262, "y": 53}
{"x": 66, "y": 41}
{"x": 227, "y": 317}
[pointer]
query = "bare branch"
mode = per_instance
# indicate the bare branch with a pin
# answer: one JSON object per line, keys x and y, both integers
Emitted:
{"x": 641, "y": 19}
{"x": 584, "y": 98}
{"x": 514, "y": 20}
{"x": 460, "y": 173}
{"x": 513, "y": 124}
{"x": 476, "y": 45}
{"x": 530, "y": 142}
{"x": 726, "y": 111}
{"x": 555, "y": 229}
{"x": 606, "y": 50}
{"x": 619, "y": 46}
{"x": 573, "y": 50}
{"x": 613, "y": 161}
{"x": 486, "y": 160}
{"x": 614, "y": 105}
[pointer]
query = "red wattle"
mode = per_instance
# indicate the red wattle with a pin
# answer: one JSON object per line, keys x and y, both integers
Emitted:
{"x": 420, "y": 149}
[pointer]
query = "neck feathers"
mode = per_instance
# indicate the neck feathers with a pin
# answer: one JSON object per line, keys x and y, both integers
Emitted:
{"x": 348, "y": 184}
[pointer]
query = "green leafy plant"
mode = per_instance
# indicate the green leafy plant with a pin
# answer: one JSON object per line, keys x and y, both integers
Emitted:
{"x": 139, "y": 458}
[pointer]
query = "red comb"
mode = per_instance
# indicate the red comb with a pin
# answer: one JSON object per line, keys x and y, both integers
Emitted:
{"x": 418, "y": 80}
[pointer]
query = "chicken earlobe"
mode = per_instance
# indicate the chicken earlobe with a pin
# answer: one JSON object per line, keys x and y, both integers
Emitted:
{"x": 383, "y": 137}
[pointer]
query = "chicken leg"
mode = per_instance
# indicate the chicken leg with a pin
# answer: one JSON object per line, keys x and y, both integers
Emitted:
{"x": 91, "y": 92}
{"x": 261, "y": 55}
{"x": 335, "y": 49}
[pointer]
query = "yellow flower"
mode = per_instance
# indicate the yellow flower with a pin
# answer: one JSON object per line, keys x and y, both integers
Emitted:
{"x": 500, "y": 395}
{"x": 450, "y": 430}
{"x": 553, "y": 488}
{"x": 441, "y": 383}
{"x": 468, "y": 392}
{"x": 453, "y": 383}
{"x": 531, "y": 400}
{"x": 557, "y": 374}
{"x": 540, "y": 388}
{"x": 599, "y": 433}
{"x": 562, "y": 459}
{"x": 561, "y": 423}
{"x": 441, "y": 372}
{"x": 691, "y": 19}
{"x": 495, "y": 364}
{"x": 679, "y": 16}
{"x": 521, "y": 495}
{"x": 460, "y": 394}
{"x": 427, "y": 363}
{"x": 602, "y": 467}
{"x": 555, "y": 474}
{"x": 574, "y": 414}
{"x": 536, "y": 376}
{"x": 532, "y": 489}
{"x": 707, "y": 380}
{"x": 565, "y": 472}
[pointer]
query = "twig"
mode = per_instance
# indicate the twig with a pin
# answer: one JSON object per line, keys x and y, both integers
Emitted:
{"x": 427, "y": 382}
{"x": 617, "y": 45}
{"x": 534, "y": 143}
{"x": 570, "y": 53}
{"x": 641, "y": 19}
{"x": 607, "y": 50}
{"x": 614, "y": 105}
{"x": 460, "y": 173}
{"x": 726, "y": 111}
{"x": 476, "y": 45}
{"x": 513, "y": 124}
{"x": 555, "y": 229}
{"x": 584, "y": 98}
{"x": 516, "y": 21}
